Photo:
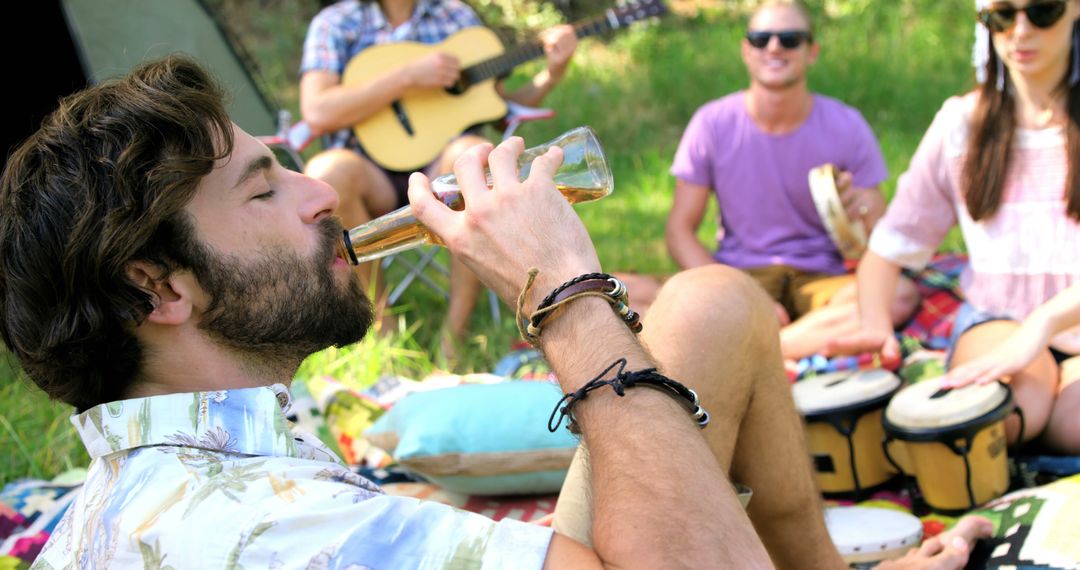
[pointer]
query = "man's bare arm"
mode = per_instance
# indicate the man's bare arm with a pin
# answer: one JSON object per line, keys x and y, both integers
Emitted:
{"x": 645, "y": 514}
{"x": 327, "y": 105}
{"x": 687, "y": 213}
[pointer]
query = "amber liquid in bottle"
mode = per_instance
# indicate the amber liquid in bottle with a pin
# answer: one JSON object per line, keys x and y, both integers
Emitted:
{"x": 400, "y": 230}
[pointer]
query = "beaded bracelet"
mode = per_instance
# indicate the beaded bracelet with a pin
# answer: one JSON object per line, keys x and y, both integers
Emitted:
{"x": 599, "y": 285}
{"x": 648, "y": 378}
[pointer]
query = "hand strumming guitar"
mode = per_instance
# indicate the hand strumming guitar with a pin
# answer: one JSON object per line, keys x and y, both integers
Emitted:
{"x": 435, "y": 70}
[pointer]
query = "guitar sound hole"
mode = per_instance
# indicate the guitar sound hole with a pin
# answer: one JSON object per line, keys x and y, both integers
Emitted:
{"x": 458, "y": 88}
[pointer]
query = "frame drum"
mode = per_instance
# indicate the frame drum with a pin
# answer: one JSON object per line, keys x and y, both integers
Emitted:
{"x": 849, "y": 236}
{"x": 866, "y": 535}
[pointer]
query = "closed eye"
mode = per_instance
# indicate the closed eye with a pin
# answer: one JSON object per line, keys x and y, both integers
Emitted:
{"x": 264, "y": 196}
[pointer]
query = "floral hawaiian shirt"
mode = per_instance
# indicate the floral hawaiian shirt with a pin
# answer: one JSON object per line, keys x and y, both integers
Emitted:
{"x": 222, "y": 480}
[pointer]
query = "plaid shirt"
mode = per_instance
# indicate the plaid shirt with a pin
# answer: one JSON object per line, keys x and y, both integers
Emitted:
{"x": 346, "y": 28}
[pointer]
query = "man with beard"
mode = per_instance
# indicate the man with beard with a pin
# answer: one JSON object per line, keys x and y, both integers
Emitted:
{"x": 163, "y": 274}
{"x": 754, "y": 150}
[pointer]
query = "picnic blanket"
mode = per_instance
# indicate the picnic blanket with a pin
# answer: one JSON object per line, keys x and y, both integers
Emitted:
{"x": 29, "y": 511}
{"x": 930, "y": 328}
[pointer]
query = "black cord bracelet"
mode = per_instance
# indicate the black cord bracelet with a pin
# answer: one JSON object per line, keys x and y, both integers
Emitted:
{"x": 648, "y": 378}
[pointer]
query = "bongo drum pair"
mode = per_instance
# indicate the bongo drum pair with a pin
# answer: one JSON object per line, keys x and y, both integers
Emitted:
{"x": 952, "y": 441}
{"x": 863, "y": 430}
{"x": 849, "y": 236}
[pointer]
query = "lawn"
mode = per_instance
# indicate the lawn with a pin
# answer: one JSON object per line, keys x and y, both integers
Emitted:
{"x": 896, "y": 61}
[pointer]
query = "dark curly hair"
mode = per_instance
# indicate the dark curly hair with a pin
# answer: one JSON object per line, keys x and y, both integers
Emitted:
{"x": 103, "y": 182}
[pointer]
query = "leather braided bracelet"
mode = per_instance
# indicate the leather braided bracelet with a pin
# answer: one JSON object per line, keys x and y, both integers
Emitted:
{"x": 648, "y": 378}
{"x": 599, "y": 285}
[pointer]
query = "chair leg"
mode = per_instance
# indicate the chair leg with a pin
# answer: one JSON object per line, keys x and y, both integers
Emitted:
{"x": 493, "y": 301}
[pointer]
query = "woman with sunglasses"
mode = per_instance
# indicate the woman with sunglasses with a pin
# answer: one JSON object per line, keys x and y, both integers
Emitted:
{"x": 1003, "y": 161}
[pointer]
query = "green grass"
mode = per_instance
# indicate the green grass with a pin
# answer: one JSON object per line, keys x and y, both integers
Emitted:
{"x": 637, "y": 90}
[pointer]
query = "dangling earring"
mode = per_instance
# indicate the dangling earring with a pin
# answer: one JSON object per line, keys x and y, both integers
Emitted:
{"x": 1074, "y": 77}
{"x": 1000, "y": 75}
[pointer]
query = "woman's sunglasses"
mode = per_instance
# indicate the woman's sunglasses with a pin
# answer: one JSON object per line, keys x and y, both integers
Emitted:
{"x": 1040, "y": 14}
{"x": 789, "y": 39}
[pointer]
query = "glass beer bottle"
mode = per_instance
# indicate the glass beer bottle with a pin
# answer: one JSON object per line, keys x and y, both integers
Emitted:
{"x": 583, "y": 177}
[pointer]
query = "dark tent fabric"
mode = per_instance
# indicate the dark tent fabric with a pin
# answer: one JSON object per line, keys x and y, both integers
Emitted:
{"x": 67, "y": 43}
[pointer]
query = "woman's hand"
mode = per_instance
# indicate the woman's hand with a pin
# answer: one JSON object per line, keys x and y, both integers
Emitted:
{"x": 1010, "y": 357}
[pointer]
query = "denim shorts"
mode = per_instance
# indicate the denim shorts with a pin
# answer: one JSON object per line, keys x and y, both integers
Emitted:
{"x": 968, "y": 317}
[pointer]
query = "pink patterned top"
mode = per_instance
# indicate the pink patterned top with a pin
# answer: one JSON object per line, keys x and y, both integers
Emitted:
{"x": 1027, "y": 253}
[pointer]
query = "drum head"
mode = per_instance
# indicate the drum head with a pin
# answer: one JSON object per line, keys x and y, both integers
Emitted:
{"x": 849, "y": 237}
{"x": 925, "y": 407}
{"x": 828, "y": 393}
{"x": 866, "y": 534}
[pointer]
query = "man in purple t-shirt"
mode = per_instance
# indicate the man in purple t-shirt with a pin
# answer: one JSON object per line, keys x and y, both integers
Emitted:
{"x": 754, "y": 150}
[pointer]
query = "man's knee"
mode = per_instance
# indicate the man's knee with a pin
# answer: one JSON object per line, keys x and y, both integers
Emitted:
{"x": 716, "y": 285}
{"x": 458, "y": 146}
{"x": 717, "y": 293}
{"x": 345, "y": 170}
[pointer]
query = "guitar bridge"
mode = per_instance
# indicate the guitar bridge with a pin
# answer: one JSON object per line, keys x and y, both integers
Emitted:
{"x": 402, "y": 117}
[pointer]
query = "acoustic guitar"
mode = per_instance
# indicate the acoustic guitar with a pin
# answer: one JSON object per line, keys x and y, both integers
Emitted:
{"x": 413, "y": 131}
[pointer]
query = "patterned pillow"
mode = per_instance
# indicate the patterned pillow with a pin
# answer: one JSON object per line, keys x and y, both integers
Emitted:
{"x": 1033, "y": 528}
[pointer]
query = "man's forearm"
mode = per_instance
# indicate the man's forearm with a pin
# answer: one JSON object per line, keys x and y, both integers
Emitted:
{"x": 686, "y": 250}
{"x": 343, "y": 106}
{"x": 645, "y": 514}
{"x": 534, "y": 92}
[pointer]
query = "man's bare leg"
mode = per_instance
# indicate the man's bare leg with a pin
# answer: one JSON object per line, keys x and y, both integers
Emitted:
{"x": 364, "y": 193}
{"x": 713, "y": 329}
{"x": 643, "y": 290}
{"x": 809, "y": 334}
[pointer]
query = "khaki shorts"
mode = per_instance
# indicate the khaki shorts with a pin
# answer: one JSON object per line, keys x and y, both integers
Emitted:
{"x": 798, "y": 291}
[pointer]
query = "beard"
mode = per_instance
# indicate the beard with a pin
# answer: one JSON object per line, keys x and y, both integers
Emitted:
{"x": 279, "y": 306}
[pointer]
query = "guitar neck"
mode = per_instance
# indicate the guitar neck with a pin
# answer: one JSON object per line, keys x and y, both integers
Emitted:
{"x": 505, "y": 63}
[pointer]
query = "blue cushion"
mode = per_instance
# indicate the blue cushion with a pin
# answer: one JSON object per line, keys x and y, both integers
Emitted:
{"x": 480, "y": 439}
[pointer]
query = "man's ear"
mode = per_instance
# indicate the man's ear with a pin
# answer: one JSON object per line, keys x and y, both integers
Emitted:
{"x": 171, "y": 295}
{"x": 815, "y": 51}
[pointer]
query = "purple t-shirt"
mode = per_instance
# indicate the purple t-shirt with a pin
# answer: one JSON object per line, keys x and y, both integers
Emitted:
{"x": 760, "y": 180}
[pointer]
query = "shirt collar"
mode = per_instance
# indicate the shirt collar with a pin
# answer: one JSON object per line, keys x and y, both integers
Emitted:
{"x": 248, "y": 421}
{"x": 378, "y": 20}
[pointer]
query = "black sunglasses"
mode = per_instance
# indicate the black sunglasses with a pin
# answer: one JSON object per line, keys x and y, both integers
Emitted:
{"x": 789, "y": 39}
{"x": 1040, "y": 14}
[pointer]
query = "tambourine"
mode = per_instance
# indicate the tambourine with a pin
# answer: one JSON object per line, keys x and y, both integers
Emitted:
{"x": 849, "y": 236}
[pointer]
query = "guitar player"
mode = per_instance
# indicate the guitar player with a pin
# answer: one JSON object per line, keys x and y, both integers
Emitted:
{"x": 340, "y": 32}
